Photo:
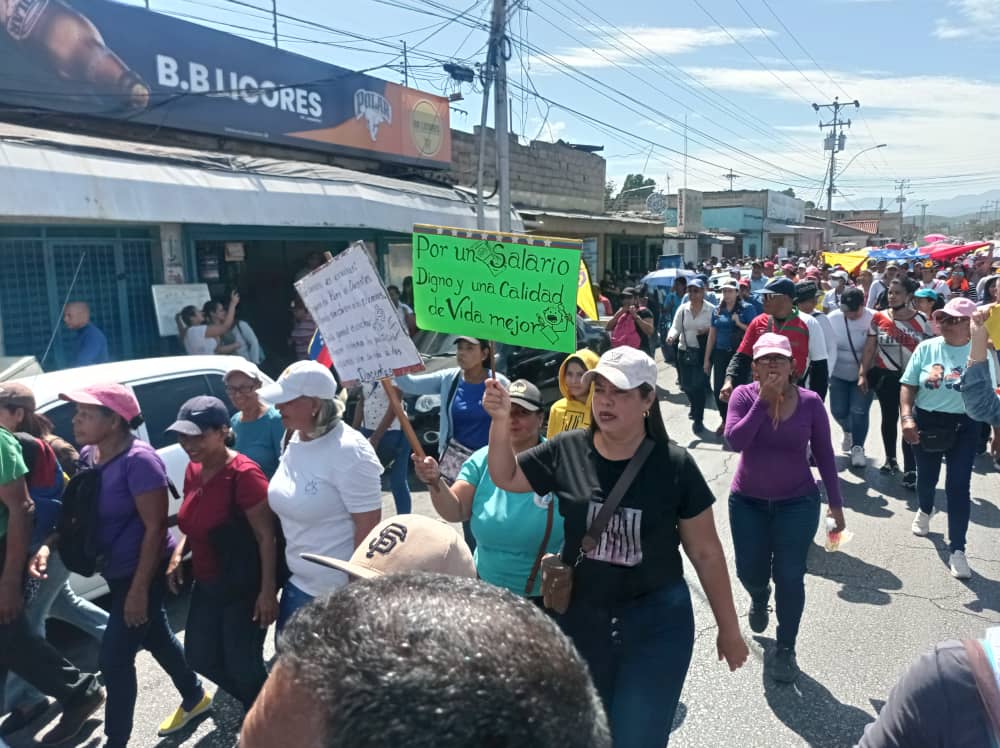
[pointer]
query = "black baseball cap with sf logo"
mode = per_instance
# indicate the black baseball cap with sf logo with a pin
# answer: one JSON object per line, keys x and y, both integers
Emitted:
{"x": 406, "y": 542}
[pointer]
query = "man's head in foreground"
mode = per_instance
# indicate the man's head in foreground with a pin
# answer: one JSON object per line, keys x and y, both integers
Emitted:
{"x": 420, "y": 660}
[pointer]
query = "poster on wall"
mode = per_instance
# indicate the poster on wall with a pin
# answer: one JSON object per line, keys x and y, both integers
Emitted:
{"x": 513, "y": 288}
{"x": 111, "y": 60}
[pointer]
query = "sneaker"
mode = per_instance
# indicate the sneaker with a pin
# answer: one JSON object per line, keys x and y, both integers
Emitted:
{"x": 891, "y": 467}
{"x": 960, "y": 566}
{"x": 847, "y": 444}
{"x": 782, "y": 665}
{"x": 180, "y": 718}
{"x": 858, "y": 458}
{"x": 910, "y": 479}
{"x": 921, "y": 524}
{"x": 73, "y": 718}
{"x": 759, "y": 616}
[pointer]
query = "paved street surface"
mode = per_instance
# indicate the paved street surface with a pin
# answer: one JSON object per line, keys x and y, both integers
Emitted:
{"x": 872, "y": 608}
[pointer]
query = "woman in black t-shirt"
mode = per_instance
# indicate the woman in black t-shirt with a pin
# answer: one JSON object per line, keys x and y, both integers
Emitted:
{"x": 630, "y": 615}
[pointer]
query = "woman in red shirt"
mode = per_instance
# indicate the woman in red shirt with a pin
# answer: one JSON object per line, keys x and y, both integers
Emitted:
{"x": 228, "y": 617}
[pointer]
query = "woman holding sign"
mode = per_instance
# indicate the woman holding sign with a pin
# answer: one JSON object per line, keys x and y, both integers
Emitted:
{"x": 327, "y": 490}
{"x": 465, "y": 424}
{"x": 628, "y": 498}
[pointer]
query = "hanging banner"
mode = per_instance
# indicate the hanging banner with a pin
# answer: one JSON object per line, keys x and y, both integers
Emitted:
{"x": 358, "y": 321}
{"x": 585, "y": 293}
{"x": 512, "y": 288}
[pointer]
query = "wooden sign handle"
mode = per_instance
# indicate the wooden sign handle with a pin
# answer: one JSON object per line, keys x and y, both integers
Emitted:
{"x": 404, "y": 422}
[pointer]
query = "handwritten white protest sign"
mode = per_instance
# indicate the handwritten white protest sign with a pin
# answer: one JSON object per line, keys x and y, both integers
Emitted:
{"x": 357, "y": 319}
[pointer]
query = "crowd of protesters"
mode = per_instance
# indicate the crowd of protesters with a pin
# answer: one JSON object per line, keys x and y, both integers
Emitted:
{"x": 282, "y": 501}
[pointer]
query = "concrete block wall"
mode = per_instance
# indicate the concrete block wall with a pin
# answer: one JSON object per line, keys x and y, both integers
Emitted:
{"x": 548, "y": 176}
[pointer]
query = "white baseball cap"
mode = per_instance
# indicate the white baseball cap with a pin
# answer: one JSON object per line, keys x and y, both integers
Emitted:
{"x": 406, "y": 542}
{"x": 301, "y": 379}
{"x": 625, "y": 367}
{"x": 242, "y": 366}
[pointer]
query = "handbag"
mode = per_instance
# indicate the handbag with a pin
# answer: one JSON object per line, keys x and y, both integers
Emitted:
{"x": 454, "y": 456}
{"x": 557, "y": 575}
{"x": 939, "y": 431}
{"x": 238, "y": 554}
{"x": 541, "y": 549}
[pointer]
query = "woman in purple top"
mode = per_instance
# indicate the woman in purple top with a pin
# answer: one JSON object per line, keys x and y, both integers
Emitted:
{"x": 135, "y": 545}
{"x": 774, "y": 504}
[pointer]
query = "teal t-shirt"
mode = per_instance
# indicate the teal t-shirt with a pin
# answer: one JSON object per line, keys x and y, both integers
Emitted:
{"x": 936, "y": 369}
{"x": 508, "y": 528}
{"x": 260, "y": 440}
{"x": 12, "y": 467}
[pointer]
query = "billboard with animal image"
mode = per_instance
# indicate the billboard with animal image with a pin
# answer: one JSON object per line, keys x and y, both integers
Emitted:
{"x": 105, "y": 59}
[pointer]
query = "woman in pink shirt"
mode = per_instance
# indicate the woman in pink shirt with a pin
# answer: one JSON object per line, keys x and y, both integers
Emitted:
{"x": 774, "y": 504}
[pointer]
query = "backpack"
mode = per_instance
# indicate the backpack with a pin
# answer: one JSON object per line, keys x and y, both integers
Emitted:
{"x": 45, "y": 481}
{"x": 79, "y": 523}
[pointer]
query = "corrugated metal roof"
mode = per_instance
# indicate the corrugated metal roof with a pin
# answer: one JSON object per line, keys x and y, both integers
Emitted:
{"x": 61, "y": 175}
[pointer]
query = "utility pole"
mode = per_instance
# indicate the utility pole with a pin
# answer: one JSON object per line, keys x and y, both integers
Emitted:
{"x": 834, "y": 143}
{"x": 406, "y": 67}
{"x": 274, "y": 21}
{"x": 923, "y": 218}
{"x": 902, "y": 185}
{"x": 731, "y": 176}
{"x": 499, "y": 51}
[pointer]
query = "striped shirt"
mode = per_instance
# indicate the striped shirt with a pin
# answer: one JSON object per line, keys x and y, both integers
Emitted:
{"x": 792, "y": 328}
{"x": 897, "y": 339}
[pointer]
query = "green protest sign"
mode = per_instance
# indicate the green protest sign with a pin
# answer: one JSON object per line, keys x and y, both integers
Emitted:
{"x": 512, "y": 288}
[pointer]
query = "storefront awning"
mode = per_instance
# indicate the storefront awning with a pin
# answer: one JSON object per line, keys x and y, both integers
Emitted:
{"x": 57, "y": 176}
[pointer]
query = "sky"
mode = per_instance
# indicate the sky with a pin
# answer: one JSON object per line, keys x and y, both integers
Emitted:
{"x": 743, "y": 74}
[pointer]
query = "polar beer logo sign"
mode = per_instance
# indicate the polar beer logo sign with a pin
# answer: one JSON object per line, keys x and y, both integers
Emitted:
{"x": 375, "y": 109}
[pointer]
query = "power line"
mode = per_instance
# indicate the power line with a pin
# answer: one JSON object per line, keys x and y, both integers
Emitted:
{"x": 677, "y": 75}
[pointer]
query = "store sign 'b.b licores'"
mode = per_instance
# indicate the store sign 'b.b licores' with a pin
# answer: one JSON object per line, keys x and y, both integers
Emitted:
{"x": 106, "y": 59}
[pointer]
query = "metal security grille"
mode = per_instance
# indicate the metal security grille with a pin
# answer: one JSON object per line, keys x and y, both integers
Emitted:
{"x": 114, "y": 278}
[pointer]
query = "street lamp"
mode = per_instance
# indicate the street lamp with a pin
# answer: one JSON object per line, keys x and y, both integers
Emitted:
{"x": 872, "y": 148}
{"x": 833, "y": 178}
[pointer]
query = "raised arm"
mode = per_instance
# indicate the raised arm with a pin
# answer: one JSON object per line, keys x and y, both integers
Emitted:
{"x": 214, "y": 331}
{"x": 501, "y": 459}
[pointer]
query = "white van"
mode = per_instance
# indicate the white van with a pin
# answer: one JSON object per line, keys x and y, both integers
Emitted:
{"x": 161, "y": 385}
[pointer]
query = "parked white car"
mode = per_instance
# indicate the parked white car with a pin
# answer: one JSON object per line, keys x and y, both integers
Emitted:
{"x": 161, "y": 385}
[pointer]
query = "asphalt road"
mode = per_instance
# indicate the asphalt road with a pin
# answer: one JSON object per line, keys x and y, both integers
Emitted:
{"x": 871, "y": 609}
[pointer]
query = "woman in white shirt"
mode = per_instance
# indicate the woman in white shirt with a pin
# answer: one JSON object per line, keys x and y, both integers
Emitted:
{"x": 202, "y": 338}
{"x": 692, "y": 322}
{"x": 327, "y": 490}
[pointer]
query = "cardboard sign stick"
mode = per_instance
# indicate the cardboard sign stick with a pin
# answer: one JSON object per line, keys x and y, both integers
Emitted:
{"x": 404, "y": 422}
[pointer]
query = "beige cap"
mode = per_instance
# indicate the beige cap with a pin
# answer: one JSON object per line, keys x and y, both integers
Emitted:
{"x": 406, "y": 542}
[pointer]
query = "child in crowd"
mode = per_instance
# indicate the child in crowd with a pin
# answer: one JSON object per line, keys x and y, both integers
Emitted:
{"x": 573, "y": 411}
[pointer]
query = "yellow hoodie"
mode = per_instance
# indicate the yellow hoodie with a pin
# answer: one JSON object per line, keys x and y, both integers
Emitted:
{"x": 568, "y": 414}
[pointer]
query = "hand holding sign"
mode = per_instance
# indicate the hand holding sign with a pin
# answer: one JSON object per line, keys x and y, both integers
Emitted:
{"x": 496, "y": 400}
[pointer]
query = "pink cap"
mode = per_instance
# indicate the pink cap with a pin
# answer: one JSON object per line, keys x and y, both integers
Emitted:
{"x": 770, "y": 343}
{"x": 957, "y": 307}
{"x": 769, "y": 265}
{"x": 788, "y": 267}
{"x": 114, "y": 397}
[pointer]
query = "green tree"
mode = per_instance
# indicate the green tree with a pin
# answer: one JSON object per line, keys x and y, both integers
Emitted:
{"x": 810, "y": 205}
{"x": 637, "y": 186}
{"x": 609, "y": 192}
{"x": 790, "y": 192}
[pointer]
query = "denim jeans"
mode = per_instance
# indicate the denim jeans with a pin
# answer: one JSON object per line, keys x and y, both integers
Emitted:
{"x": 396, "y": 444}
{"x": 28, "y": 655}
{"x": 638, "y": 654}
{"x": 720, "y": 362}
{"x": 54, "y": 599}
{"x": 292, "y": 598}
{"x": 850, "y": 408}
{"x": 120, "y": 646}
{"x": 694, "y": 382}
{"x": 224, "y": 643}
{"x": 771, "y": 540}
{"x": 958, "y": 475}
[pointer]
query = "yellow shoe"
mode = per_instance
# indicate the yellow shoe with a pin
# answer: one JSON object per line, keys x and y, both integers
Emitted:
{"x": 179, "y": 719}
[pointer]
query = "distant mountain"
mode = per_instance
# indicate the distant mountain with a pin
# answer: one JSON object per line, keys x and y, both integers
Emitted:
{"x": 961, "y": 205}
